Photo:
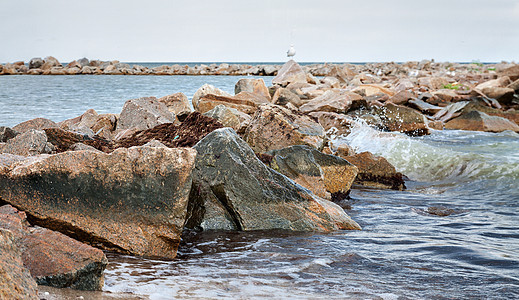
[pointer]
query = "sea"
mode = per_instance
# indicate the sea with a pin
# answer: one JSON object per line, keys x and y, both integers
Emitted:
{"x": 470, "y": 250}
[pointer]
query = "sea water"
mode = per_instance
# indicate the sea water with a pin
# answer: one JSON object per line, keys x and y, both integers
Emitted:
{"x": 403, "y": 252}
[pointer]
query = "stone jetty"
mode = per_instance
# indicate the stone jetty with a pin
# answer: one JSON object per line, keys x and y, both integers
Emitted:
{"x": 265, "y": 158}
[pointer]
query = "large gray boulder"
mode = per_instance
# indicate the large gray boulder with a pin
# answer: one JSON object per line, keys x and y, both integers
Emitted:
{"x": 144, "y": 113}
{"x": 132, "y": 200}
{"x": 234, "y": 190}
{"x": 35, "y": 63}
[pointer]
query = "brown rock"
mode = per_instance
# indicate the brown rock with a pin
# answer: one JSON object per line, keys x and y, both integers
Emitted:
{"x": 230, "y": 117}
{"x": 512, "y": 72}
{"x": 205, "y": 90}
{"x": 254, "y": 86}
{"x": 38, "y": 124}
{"x": 514, "y": 86}
{"x": 433, "y": 83}
{"x": 494, "y": 83}
{"x": 49, "y": 63}
{"x": 329, "y": 120}
{"x": 372, "y": 89}
{"x": 291, "y": 72}
{"x": 15, "y": 280}
{"x": 178, "y": 104}
{"x": 53, "y": 258}
{"x": 480, "y": 121}
{"x": 402, "y": 97}
{"x": 131, "y": 201}
{"x": 376, "y": 171}
{"x": 327, "y": 176}
{"x": 502, "y": 94}
{"x": 275, "y": 127}
{"x": 282, "y": 96}
{"x": 144, "y": 113}
{"x": 330, "y": 101}
{"x": 245, "y": 102}
{"x": 6, "y": 134}
{"x": 32, "y": 142}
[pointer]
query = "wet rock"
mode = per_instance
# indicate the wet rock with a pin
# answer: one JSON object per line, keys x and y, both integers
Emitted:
{"x": 15, "y": 280}
{"x": 401, "y": 119}
{"x": 178, "y": 104}
{"x": 38, "y": 124}
{"x": 131, "y": 201}
{"x": 283, "y": 96}
{"x": 480, "y": 121}
{"x": 254, "y": 86}
{"x": 144, "y": 113}
{"x": 6, "y": 134}
{"x": 232, "y": 189}
{"x": 327, "y": 176}
{"x": 376, "y": 171}
{"x": 424, "y": 106}
{"x": 291, "y": 72}
{"x": 53, "y": 258}
{"x": 275, "y": 127}
{"x": 187, "y": 134}
{"x": 35, "y": 63}
{"x": 205, "y": 90}
{"x": 245, "y": 102}
{"x": 340, "y": 124}
{"x": 230, "y": 117}
{"x": 330, "y": 101}
{"x": 441, "y": 211}
{"x": 32, "y": 142}
{"x": 512, "y": 115}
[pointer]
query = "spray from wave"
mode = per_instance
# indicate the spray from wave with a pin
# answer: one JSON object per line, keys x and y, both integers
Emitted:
{"x": 445, "y": 156}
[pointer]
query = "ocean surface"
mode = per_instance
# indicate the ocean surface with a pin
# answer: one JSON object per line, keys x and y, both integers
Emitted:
{"x": 403, "y": 251}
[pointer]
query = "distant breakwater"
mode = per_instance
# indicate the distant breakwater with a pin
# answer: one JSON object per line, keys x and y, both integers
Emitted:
{"x": 51, "y": 66}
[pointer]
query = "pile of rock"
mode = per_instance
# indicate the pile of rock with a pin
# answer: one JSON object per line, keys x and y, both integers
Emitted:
{"x": 264, "y": 158}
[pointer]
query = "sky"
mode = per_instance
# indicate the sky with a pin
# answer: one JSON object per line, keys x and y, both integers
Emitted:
{"x": 260, "y": 31}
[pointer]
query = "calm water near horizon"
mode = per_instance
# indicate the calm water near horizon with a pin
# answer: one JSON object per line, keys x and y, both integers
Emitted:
{"x": 403, "y": 252}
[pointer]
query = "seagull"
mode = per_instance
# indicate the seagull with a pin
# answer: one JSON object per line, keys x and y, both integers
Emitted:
{"x": 291, "y": 52}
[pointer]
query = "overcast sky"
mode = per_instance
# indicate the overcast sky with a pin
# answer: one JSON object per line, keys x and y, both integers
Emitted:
{"x": 256, "y": 31}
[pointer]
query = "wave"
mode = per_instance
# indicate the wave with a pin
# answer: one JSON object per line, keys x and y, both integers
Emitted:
{"x": 444, "y": 155}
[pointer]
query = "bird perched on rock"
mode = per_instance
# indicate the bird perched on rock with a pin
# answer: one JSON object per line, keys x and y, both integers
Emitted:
{"x": 291, "y": 51}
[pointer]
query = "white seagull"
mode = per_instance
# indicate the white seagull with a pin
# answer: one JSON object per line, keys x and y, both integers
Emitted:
{"x": 291, "y": 52}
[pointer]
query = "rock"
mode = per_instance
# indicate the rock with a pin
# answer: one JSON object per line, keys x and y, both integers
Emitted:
{"x": 495, "y": 83}
{"x": 401, "y": 119}
{"x": 512, "y": 115}
{"x": 81, "y": 147}
{"x": 15, "y": 280}
{"x": 83, "y": 62}
{"x": 442, "y": 211}
{"x": 433, "y": 83}
{"x": 341, "y": 123}
{"x": 376, "y": 171}
{"x": 424, "y": 106}
{"x": 207, "y": 89}
{"x": 52, "y": 258}
{"x": 131, "y": 201}
{"x": 144, "y": 113}
{"x": 50, "y": 62}
{"x": 282, "y": 96}
{"x": 480, "y": 121}
{"x": 254, "y": 86}
{"x": 230, "y": 117}
{"x": 178, "y": 104}
{"x": 232, "y": 189}
{"x": 450, "y": 111}
{"x": 402, "y": 97}
{"x": 290, "y": 72}
{"x": 275, "y": 127}
{"x": 187, "y": 134}
{"x": 327, "y": 176}
{"x": 330, "y": 101}
{"x": 32, "y": 142}
{"x": 502, "y": 94}
{"x": 245, "y": 102}
{"x": 372, "y": 89}
{"x": 6, "y": 134}
{"x": 62, "y": 140}
{"x": 35, "y": 63}
{"x": 514, "y": 86}
{"x": 38, "y": 124}
{"x": 443, "y": 97}
{"x": 512, "y": 72}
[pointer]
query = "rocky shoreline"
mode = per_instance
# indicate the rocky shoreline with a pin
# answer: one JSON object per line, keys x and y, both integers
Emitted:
{"x": 265, "y": 158}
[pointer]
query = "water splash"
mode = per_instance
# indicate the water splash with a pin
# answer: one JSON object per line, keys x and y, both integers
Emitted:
{"x": 441, "y": 156}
